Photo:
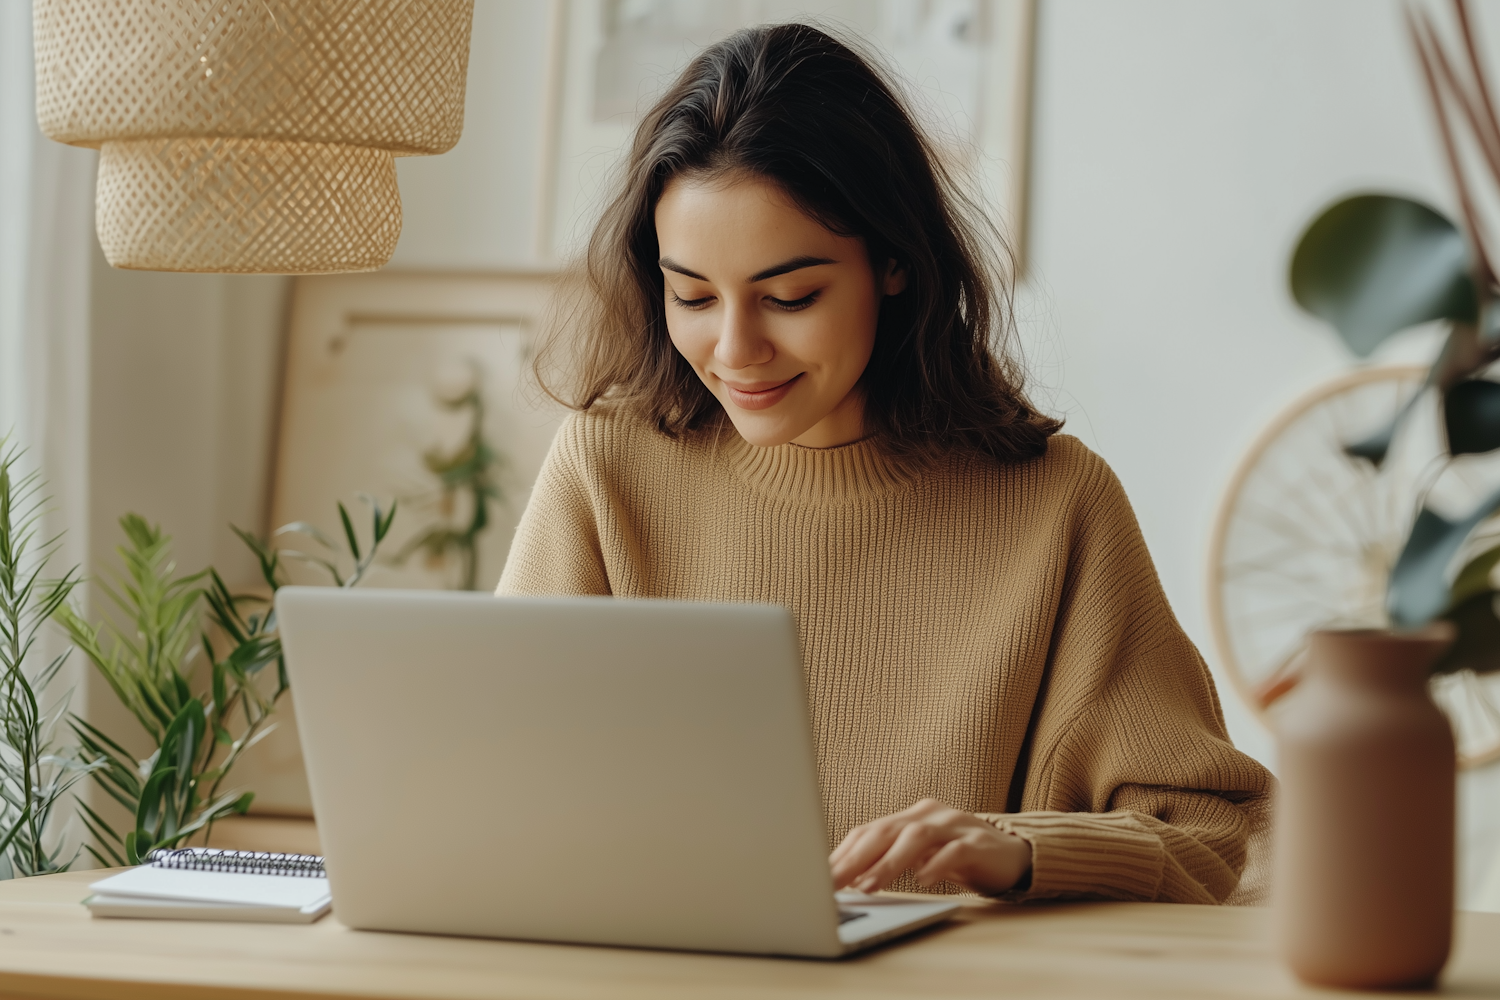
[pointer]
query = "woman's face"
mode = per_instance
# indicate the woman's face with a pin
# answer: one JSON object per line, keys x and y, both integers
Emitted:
{"x": 774, "y": 312}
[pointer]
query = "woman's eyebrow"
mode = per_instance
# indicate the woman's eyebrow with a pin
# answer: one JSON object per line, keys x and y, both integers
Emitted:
{"x": 785, "y": 267}
{"x": 667, "y": 263}
{"x": 795, "y": 264}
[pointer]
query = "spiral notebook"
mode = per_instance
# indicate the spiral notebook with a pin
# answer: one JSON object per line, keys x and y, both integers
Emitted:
{"x": 202, "y": 883}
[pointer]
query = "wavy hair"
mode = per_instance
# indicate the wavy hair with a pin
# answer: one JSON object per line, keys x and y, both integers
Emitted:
{"x": 798, "y": 107}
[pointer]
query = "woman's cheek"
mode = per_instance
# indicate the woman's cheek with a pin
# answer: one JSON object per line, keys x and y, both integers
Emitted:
{"x": 839, "y": 338}
{"x": 693, "y": 339}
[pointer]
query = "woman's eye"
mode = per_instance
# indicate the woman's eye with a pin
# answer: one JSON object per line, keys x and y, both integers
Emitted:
{"x": 691, "y": 303}
{"x": 793, "y": 305}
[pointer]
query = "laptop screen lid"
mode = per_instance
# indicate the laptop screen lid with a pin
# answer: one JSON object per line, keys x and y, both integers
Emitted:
{"x": 571, "y": 769}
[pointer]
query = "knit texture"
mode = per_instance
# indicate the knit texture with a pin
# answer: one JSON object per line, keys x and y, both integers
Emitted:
{"x": 991, "y": 636}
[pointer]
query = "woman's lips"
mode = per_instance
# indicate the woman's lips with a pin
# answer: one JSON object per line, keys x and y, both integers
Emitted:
{"x": 759, "y": 395}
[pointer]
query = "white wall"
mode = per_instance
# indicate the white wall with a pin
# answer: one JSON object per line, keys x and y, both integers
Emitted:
{"x": 473, "y": 208}
{"x": 184, "y": 369}
{"x": 183, "y": 391}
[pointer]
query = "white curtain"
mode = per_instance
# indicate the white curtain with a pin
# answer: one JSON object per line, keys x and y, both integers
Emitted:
{"x": 46, "y": 243}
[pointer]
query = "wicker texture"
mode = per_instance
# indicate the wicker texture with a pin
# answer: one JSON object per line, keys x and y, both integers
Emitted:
{"x": 251, "y": 135}
{"x": 222, "y": 205}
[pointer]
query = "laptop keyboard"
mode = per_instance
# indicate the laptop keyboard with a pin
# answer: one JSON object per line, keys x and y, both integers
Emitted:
{"x": 847, "y": 915}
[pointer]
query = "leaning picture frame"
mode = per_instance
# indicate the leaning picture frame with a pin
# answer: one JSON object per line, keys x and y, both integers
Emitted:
{"x": 966, "y": 65}
{"x": 370, "y": 359}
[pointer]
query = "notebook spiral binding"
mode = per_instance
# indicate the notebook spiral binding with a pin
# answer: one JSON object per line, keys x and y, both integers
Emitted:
{"x": 209, "y": 859}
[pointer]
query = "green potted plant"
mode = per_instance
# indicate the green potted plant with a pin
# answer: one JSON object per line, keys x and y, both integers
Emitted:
{"x": 181, "y": 789}
{"x": 36, "y": 770}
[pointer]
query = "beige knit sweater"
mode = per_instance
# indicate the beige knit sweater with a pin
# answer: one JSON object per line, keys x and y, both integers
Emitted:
{"x": 994, "y": 637}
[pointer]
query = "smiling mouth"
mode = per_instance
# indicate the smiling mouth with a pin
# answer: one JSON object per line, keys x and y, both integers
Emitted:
{"x": 759, "y": 395}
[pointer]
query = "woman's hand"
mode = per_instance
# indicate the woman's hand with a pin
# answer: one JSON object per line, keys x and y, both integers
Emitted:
{"x": 938, "y": 843}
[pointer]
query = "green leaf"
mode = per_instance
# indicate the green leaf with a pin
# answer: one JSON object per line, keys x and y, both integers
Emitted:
{"x": 332, "y": 570}
{"x": 1464, "y": 353}
{"x": 1419, "y": 590}
{"x": 384, "y": 527}
{"x": 264, "y": 554}
{"x": 349, "y": 531}
{"x": 1375, "y": 264}
{"x": 1477, "y": 644}
{"x": 218, "y": 683}
{"x": 1471, "y": 413}
{"x": 310, "y": 530}
{"x": 1474, "y": 578}
{"x": 36, "y": 770}
{"x": 104, "y": 835}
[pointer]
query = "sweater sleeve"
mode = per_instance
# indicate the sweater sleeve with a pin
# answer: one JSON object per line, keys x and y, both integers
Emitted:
{"x": 1128, "y": 786}
{"x": 556, "y": 551}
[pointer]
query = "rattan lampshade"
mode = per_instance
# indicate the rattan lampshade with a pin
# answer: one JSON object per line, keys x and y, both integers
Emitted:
{"x": 251, "y": 135}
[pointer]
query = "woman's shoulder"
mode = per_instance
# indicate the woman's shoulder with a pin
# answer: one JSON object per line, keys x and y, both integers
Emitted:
{"x": 1068, "y": 465}
{"x": 610, "y": 440}
{"x": 599, "y": 427}
{"x": 1068, "y": 477}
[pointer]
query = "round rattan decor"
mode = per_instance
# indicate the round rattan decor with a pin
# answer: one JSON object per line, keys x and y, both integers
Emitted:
{"x": 251, "y": 136}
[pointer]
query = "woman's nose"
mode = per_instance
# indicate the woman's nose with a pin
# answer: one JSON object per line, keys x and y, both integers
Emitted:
{"x": 742, "y": 340}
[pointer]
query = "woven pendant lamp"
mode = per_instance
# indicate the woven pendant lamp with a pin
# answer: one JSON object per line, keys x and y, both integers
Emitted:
{"x": 251, "y": 136}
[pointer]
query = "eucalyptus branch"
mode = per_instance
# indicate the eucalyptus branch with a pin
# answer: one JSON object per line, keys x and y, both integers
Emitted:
{"x": 36, "y": 772}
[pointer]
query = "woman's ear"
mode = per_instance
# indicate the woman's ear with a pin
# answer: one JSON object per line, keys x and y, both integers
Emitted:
{"x": 894, "y": 280}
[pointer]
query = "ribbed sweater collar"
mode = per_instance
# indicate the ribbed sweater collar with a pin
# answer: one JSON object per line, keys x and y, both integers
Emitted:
{"x": 843, "y": 474}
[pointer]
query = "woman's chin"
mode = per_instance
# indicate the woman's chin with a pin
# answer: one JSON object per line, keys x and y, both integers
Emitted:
{"x": 763, "y": 431}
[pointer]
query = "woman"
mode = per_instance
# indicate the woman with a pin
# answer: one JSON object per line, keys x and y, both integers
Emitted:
{"x": 788, "y": 393}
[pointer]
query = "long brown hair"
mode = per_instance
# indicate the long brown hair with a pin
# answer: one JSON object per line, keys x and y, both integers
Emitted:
{"x": 792, "y": 104}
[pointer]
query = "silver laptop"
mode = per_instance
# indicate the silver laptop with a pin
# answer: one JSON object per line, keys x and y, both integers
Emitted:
{"x": 570, "y": 769}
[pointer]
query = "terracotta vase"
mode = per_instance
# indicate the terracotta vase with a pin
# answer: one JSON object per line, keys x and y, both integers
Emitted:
{"x": 1365, "y": 825}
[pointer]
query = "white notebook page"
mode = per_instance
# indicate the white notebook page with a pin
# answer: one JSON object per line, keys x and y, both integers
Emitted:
{"x": 216, "y": 887}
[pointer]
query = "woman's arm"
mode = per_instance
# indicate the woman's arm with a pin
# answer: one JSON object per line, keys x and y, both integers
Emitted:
{"x": 1129, "y": 787}
{"x": 556, "y": 551}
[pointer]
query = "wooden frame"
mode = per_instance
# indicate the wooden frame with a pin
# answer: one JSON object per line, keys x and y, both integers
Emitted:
{"x": 411, "y": 314}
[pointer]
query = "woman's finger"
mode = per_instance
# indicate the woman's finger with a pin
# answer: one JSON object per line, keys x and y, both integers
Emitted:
{"x": 866, "y": 844}
{"x": 948, "y": 864}
{"x": 916, "y": 842}
{"x": 846, "y": 845}
{"x": 863, "y": 847}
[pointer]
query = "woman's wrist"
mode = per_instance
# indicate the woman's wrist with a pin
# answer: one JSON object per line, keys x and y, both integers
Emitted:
{"x": 1016, "y": 875}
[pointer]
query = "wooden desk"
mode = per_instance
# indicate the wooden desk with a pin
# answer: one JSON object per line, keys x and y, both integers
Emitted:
{"x": 51, "y": 947}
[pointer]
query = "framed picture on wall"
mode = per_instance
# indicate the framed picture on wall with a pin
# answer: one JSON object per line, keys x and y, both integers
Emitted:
{"x": 965, "y": 63}
{"x": 415, "y": 388}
